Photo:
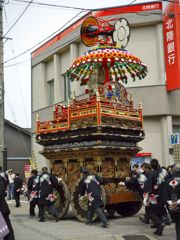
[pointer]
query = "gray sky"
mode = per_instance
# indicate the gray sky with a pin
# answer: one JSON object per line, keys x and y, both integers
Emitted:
{"x": 36, "y": 24}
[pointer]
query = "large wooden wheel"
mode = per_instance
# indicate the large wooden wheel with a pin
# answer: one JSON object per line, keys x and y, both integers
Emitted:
{"x": 63, "y": 199}
{"x": 128, "y": 209}
{"x": 110, "y": 211}
{"x": 79, "y": 206}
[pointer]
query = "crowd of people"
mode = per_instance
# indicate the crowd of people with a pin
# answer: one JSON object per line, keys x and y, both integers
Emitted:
{"x": 159, "y": 188}
{"x": 41, "y": 193}
{"x": 14, "y": 185}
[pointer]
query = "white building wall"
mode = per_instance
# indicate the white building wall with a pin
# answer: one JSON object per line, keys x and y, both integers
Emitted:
{"x": 39, "y": 87}
{"x": 40, "y": 159}
{"x": 73, "y": 55}
{"x": 58, "y": 91}
{"x": 157, "y": 135}
{"x": 65, "y": 61}
{"x": 82, "y": 48}
{"x": 152, "y": 141}
{"x": 76, "y": 50}
{"x": 146, "y": 43}
{"x": 166, "y": 130}
{"x": 50, "y": 70}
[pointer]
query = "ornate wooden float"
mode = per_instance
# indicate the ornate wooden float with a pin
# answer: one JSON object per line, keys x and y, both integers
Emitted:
{"x": 101, "y": 131}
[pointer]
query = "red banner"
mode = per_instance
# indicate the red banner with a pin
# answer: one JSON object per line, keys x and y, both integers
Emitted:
{"x": 171, "y": 25}
{"x": 27, "y": 171}
{"x": 144, "y": 154}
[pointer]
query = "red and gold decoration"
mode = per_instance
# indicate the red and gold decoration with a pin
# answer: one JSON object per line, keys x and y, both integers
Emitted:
{"x": 117, "y": 63}
{"x": 100, "y": 131}
{"x": 110, "y": 56}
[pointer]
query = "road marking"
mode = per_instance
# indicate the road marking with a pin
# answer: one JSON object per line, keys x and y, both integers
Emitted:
{"x": 118, "y": 237}
{"x": 13, "y": 201}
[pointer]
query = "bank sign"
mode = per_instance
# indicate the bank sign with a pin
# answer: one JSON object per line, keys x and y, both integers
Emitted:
{"x": 171, "y": 27}
{"x": 174, "y": 138}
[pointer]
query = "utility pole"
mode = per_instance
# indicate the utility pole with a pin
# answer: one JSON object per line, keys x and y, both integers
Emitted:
{"x": 2, "y": 147}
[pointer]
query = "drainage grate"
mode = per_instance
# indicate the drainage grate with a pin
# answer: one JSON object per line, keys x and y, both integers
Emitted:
{"x": 135, "y": 237}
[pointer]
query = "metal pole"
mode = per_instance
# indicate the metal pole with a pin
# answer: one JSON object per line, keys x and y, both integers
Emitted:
{"x": 1, "y": 90}
{"x": 5, "y": 159}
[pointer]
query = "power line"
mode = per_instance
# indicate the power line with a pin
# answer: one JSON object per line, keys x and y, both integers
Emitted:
{"x": 44, "y": 40}
{"x": 47, "y": 38}
{"x": 53, "y": 5}
{"x": 18, "y": 18}
{"x": 19, "y": 84}
{"x": 12, "y": 65}
{"x": 68, "y": 7}
{"x": 6, "y": 2}
{"x": 132, "y": 2}
{"x": 71, "y": 7}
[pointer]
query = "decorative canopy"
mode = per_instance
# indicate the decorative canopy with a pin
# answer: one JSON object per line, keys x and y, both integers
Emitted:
{"x": 109, "y": 61}
{"x": 118, "y": 64}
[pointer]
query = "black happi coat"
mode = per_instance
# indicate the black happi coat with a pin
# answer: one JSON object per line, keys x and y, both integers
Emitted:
{"x": 132, "y": 183}
{"x": 33, "y": 187}
{"x": 142, "y": 180}
{"x": 3, "y": 204}
{"x": 173, "y": 191}
{"x": 137, "y": 183}
{"x": 5, "y": 210}
{"x": 155, "y": 186}
{"x": 46, "y": 185}
{"x": 17, "y": 183}
{"x": 91, "y": 185}
{"x": 5, "y": 179}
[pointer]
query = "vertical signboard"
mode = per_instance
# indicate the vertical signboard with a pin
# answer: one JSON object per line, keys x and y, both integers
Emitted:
{"x": 174, "y": 138}
{"x": 27, "y": 171}
{"x": 171, "y": 25}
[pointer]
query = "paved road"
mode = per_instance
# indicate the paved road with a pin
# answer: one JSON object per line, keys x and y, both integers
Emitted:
{"x": 71, "y": 229}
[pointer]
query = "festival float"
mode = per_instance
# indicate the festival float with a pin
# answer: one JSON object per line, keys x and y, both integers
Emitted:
{"x": 100, "y": 131}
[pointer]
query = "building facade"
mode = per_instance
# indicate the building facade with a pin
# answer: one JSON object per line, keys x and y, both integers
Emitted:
{"x": 148, "y": 41}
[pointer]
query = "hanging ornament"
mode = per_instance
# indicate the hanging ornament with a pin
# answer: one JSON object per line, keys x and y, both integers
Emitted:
{"x": 119, "y": 62}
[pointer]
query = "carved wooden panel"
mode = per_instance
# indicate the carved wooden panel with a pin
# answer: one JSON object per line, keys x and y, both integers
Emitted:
{"x": 108, "y": 171}
{"x": 69, "y": 169}
{"x": 58, "y": 169}
{"x": 91, "y": 166}
{"x": 73, "y": 173}
{"x": 123, "y": 169}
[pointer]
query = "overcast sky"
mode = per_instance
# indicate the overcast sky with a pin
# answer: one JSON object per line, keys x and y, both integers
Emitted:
{"x": 36, "y": 24}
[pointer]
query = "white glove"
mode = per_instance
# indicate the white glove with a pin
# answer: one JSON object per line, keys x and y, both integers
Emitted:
{"x": 59, "y": 179}
{"x": 121, "y": 183}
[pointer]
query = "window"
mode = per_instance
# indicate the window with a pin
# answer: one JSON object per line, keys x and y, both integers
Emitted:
{"x": 176, "y": 128}
{"x": 50, "y": 92}
{"x": 67, "y": 88}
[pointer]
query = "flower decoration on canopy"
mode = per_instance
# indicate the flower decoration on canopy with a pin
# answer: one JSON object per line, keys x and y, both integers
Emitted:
{"x": 120, "y": 65}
